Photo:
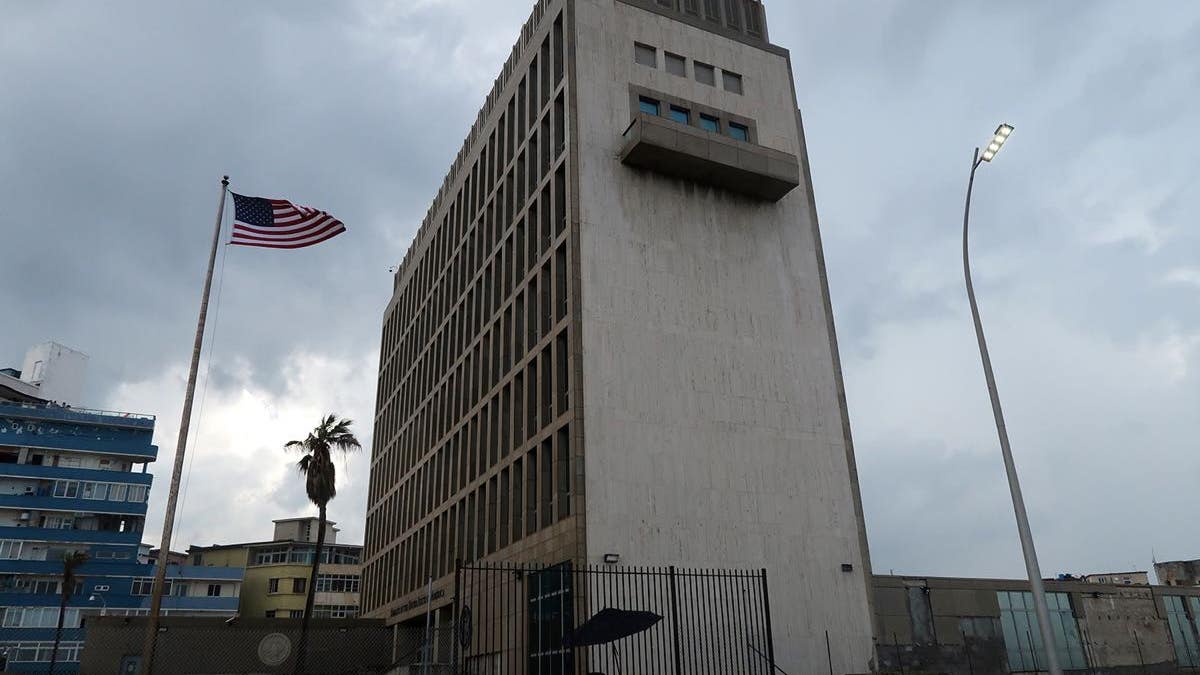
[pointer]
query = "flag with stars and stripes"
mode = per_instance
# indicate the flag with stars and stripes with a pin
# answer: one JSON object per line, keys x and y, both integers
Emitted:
{"x": 278, "y": 223}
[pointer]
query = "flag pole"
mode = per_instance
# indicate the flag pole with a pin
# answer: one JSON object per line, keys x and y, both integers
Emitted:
{"x": 164, "y": 550}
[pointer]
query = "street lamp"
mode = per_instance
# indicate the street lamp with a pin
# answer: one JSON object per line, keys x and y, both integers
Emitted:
{"x": 1014, "y": 485}
{"x": 103, "y": 605}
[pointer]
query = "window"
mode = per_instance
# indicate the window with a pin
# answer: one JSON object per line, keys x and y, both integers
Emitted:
{"x": 1023, "y": 640}
{"x": 335, "y": 611}
{"x": 272, "y": 585}
{"x": 676, "y": 64}
{"x": 1180, "y": 625}
{"x": 270, "y": 556}
{"x": 732, "y": 82}
{"x": 739, "y": 131}
{"x": 338, "y": 583}
{"x": 214, "y": 590}
{"x": 299, "y": 584}
{"x": 710, "y": 123}
{"x": 270, "y": 614}
{"x": 679, "y": 114}
{"x": 295, "y": 613}
{"x": 117, "y": 493}
{"x": 137, "y": 493}
{"x": 705, "y": 74}
{"x": 10, "y": 550}
{"x": 648, "y": 105}
{"x": 550, "y": 597}
{"x": 645, "y": 55}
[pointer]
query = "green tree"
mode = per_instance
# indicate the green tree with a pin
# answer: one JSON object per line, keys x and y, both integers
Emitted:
{"x": 70, "y": 562}
{"x": 320, "y": 482}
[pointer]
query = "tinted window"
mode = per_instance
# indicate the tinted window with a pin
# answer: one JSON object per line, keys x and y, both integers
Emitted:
{"x": 679, "y": 114}
{"x": 705, "y": 74}
{"x": 738, "y": 131}
{"x": 733, "y": 81}
{"x": 676, "y": 64}
{"x": 648, "y": 105}
{"x": 645, "y": 55}
{"x": 710, "y": 123}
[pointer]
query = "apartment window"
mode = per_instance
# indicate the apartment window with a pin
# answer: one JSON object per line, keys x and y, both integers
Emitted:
{"x": 648, "y": 105}
{"x": 10, "y": 550}
{"x": 705, "y": 74}
{"x": 645, "y": 55}
{"x": 739, "y": 131}
{"x": 295, "y": 614}
{"x": 710, "y": 123}
{"x": 676, "y": 64}
{"x": 732, "y": 82}
{"x": 679, "y": 114}
{"x": 299, "y": 585}
{"x": 272, "y": 585}
{"x": 214, "y": 590}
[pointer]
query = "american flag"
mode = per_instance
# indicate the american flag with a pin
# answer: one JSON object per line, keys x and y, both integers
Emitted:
{"x": 278, "y": 223}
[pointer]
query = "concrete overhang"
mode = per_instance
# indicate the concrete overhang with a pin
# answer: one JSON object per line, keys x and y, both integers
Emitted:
{"x": 675, "y": 149}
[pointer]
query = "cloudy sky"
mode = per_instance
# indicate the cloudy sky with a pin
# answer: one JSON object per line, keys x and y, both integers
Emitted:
{"x": 117, "y": 120}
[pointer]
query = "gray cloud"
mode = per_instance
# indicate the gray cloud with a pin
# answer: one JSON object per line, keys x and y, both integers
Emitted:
{"x": 118, "y": 119}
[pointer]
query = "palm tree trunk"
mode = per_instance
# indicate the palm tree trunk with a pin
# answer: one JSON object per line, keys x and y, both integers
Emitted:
{"x": 62, "y": 611}
{"x": 302, "y": 652}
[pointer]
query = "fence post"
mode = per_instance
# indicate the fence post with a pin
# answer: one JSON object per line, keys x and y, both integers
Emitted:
{"x": 455, "y": 647}
{"x": 766, "y": 596}
{"x": 675, "y": 618}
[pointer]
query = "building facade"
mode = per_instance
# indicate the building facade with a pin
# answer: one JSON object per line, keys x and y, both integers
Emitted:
{"x": 981, "y": 626}
{"x": 1118, "y": 578}
{"x": 1178, "y": 573}
{"x": 278, "y": 572}
{"x": 75, "y": 480}
{"x": 612, "y": 336}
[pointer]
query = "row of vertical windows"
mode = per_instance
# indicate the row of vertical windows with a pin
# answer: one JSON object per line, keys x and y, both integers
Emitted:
{"x": 474, "y": 375}
{"x": 739, "y": 15}
{"x": 677, "y": 113}
{"x": 647, "y": 55}
{"x": 528, "y": 494}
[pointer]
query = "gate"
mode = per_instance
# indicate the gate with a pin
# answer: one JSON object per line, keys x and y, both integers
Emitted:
{"x": 516, "y": 618}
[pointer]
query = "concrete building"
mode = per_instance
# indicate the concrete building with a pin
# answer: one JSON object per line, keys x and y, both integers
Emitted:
{"x": 981, "y": 626}
{"x": 1119, "y": 578}
{"x": 1178, "y": 573}
{"x": 612, "y": 334}
{"x": 277, "y": 572}
{"x": 75, "y": 480}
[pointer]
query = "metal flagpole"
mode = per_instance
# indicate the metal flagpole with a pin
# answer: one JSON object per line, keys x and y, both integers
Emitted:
{"x": 160, "y": 573}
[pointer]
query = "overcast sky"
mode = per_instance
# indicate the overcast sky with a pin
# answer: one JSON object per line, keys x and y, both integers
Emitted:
{"x": 117, "y": 120}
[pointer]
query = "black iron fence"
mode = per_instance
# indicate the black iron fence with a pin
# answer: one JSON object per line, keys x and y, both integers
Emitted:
{"x": 513, "y": 618}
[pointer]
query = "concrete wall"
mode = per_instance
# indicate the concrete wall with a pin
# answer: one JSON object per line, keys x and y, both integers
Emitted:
{"x": 713, "y": 427}
{"x": 953, "y": 625}
{"x": 57, "y": 371}
{"x": 201, "y": 645}
{"x": 1178, "y": 573}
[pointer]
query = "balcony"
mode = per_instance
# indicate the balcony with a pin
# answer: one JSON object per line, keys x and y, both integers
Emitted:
{"x": 36, "y": 411}
{"x": 675, "y": 149}
{"x": 48, "y": 503}
{"x": 70, "y": 536}
{"x": 64, "y": 473}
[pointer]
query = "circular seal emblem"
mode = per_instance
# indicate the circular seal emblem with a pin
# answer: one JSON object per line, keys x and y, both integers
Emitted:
{"x": 274, "y": 649}
{"x": 464, "y": 627}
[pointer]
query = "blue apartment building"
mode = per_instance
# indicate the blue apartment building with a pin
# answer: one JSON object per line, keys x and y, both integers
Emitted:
{"x": 72, "y": 480}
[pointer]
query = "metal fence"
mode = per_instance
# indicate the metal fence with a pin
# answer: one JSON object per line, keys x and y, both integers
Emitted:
{"x": 512, "y": 618}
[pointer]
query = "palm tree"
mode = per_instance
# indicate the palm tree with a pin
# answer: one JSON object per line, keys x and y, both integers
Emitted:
{"x": 320, "y": 483}
{"x": 71, "y": 562}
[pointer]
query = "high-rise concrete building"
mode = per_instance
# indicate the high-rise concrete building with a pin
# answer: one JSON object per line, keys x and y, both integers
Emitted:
{"x": 612, "y": 335}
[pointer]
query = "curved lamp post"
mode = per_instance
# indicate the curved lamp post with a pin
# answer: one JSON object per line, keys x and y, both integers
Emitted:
{"x": 1014, "y": 484}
